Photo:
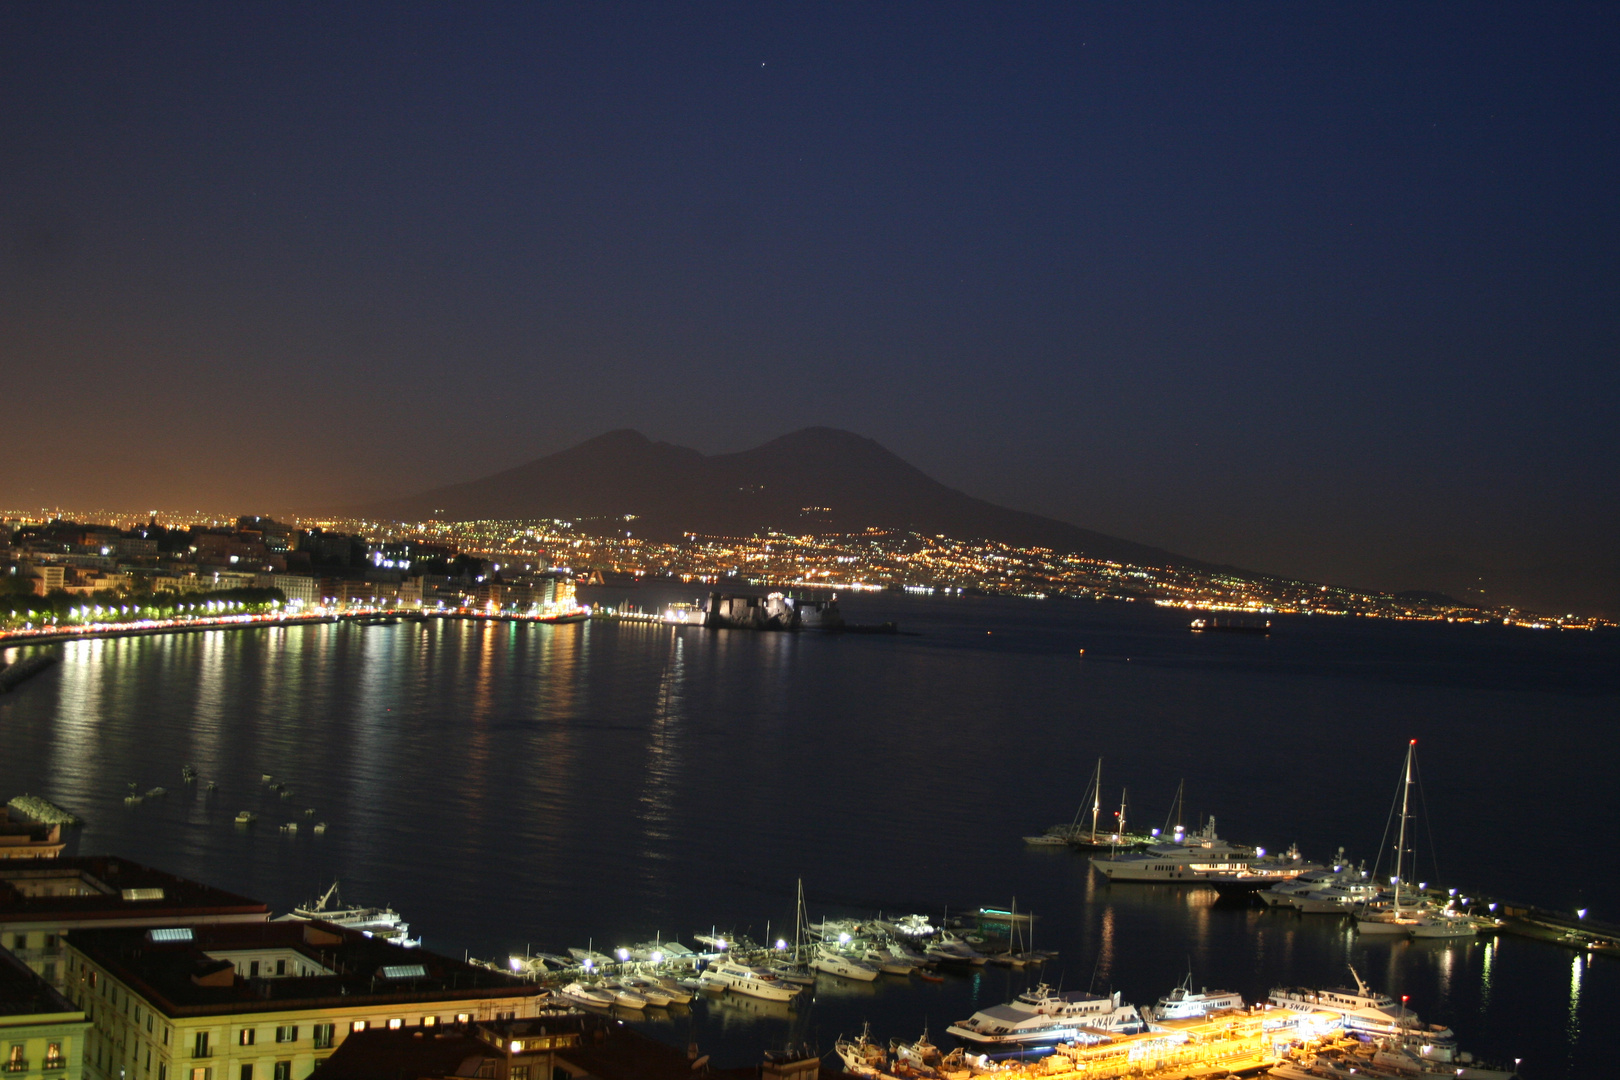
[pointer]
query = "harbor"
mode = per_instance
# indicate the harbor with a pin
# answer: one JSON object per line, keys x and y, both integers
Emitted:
{"x": 608, "y": 787}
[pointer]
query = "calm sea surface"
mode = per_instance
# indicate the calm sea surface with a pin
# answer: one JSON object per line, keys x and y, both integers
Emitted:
{"x": 511, "y": 786}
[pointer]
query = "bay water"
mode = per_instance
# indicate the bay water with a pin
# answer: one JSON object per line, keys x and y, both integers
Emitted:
{"x": 513, "y": 787}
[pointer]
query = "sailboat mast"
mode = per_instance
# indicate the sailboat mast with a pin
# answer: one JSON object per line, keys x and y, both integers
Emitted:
{"x": 1122, "y": 815}
{"x": 798, "y": 927}
{"x": 1096, "y": 800}
{"x": 1400, "y": 843}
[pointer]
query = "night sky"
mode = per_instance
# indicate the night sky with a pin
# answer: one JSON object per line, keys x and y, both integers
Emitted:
{"x": 1327, "y": 290}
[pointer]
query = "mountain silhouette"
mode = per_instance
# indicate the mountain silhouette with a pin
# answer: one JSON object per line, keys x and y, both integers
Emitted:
{"x": 816, "y": 480}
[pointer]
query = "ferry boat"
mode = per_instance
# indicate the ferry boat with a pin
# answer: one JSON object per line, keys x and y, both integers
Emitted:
{"x": 750, "y": 981}
{"x": 1184, "y": 1003}
{"x": 1187, "y": 859}
{"x": 1361, "y": 1009}
{"x": 1044, "y": 1015}
{"x": 384, "y": 923}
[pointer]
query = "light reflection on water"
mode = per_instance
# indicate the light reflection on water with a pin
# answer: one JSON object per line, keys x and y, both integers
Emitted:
{"x": 506, "y": 785}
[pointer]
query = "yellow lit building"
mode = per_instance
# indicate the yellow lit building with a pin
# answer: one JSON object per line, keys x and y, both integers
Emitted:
{"x": 42, "y": 1034}
{"x": 263, "y": 1002}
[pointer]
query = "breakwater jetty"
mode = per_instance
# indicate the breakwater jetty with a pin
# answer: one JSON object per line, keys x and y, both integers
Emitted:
{"x": 14, "y": 675}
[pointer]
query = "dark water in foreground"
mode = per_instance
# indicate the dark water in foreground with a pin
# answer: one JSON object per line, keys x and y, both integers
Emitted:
{"x": 508, "y": 785}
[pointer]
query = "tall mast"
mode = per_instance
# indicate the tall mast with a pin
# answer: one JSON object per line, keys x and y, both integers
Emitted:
{"x": 1096, "y": 800}
{"x": 1122, "y": 815}
{"x": 798, "y": 927}
{"x": 1400, "y": 843}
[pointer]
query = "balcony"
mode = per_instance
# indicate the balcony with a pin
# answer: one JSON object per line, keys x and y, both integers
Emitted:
{"x": 13, "y": 1065}
{"x": 202, "y": 1051}
{"x": 50, "y": 1064}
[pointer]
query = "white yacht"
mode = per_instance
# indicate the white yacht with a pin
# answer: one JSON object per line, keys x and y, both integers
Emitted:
{"x": 1310, "y": 882}
{"x": 1361, "y": 1008}
{"x": 589, "y": 959}
{"x": 622, "y": 994}
{"x": 580, "y": 994}
{"x": 833, "y": 962}
{"x": 1337, "y": 899}
{"x": 1184, "y": 1003}
{"x": 655, "y": 995}
{"x": 1444, "y": 924}
{"x": 887, "y": 961}
{"x": 911, "y": 926}
{"x": 1042, "y": 1015}
{"x": 950, "y": 949}
{"x": 1188, "y": 859}
{"x": 750, "y": 981}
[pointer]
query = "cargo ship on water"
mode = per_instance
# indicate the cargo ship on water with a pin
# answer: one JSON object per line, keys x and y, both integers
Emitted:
{"x": 1213, "y": 625}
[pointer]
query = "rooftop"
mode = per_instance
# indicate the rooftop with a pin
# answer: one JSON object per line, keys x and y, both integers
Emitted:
{"x": 22, "y": 993}
{"x": 606, "y": 1049}
{"x": 105, "y": 888}
{"x": 196, "y": 973}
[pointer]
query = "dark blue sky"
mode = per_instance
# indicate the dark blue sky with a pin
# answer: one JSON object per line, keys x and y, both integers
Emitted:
{"x": 1331, "y": 290}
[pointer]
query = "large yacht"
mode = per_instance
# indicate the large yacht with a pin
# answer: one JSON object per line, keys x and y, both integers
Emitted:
{"x": 1362, "y": 1009}
{"x": 1188, "y": 859}
{"x": 1043, "y": 1015}
{"x": 751, "y": 981}
{"x": 384, "y": 923}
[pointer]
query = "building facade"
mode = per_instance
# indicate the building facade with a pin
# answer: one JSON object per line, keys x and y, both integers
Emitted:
{"x": 263, "y": 1002}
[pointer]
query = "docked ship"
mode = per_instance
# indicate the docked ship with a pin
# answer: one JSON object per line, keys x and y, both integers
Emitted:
{"x": 1186, "y": 859}
{"x": 750, "y": 981}
{"x": 1185, "y": 1003}
{"x": 1361, "y": 1009}
{"x": 1043, "y": 1015}
{"x": 384, "y": 923}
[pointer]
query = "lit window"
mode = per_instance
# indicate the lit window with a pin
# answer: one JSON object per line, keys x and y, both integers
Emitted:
{"x": 395, "y": 1024}
{"x": 359, "y": 1025}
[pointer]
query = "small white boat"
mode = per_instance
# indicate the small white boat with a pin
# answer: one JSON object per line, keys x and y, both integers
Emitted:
{"x": 580, "y": 994}
{"x": 678, "y": 991}
{"x": 246, "y": 817}
{"x": 886, "y": 961}
{"x": 623, "y": 995}
{"x": 320, "y": 828}
{"x": 654, "y": 994}
{"x": 790, "y": 972}
{"x": 589, "y": 960}
{"x": 290, "y": 827}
